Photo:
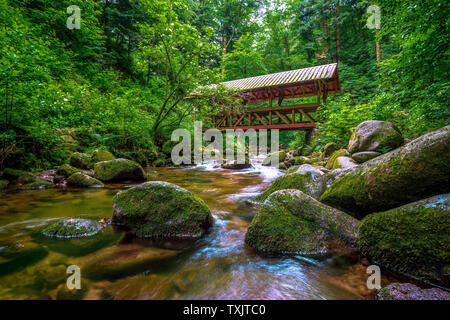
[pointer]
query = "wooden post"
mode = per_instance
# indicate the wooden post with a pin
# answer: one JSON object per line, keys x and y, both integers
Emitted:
{"x": 308, "y": 136}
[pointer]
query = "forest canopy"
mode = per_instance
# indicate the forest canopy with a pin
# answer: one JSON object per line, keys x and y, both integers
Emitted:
{"x": 120, "y": 82}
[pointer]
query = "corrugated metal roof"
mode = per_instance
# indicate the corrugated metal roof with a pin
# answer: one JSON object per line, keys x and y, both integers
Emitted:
{"x": 294, "y": 76}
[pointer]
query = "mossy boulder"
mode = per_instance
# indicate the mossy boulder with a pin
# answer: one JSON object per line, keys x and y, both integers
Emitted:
{"x": 3, "y": 184}
{"x": 334, "y": 156}
{"x": 408, "y": 291}
{"x": 159, "y": 163}
{"x": 343, "y": 163}
{"x": 272, "y": 156}
{"x": 412, "y": 239}
{"x": 364, "y": 156}
{"x": 73, "y": 228}
{"x": 80, "y": 160}
{"x": 329, "y": 149}
{"x": 18, "y": 176}
{"x": 306, "y": 178}
{"x": 66, "y": 170}
{"x": 290, "y": 221}
{"x": 38, "y": 185}
{"x": 119, "y": 170}
{"x": 234, "y": 165}
{"x": 101, "y": 155}
{"x": 159, "y": 209}
{"x": 415, "y": 171}
{"x": 375, "y": 135}
{"x": 79, "y": 179}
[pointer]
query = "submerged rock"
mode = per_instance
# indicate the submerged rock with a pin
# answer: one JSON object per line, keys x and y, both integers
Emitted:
{"x": 364, "y": 156}
{"x": 119, "y": 170}
{"x": 412, "y": 172}
{"x": 408, "y": 291}
{"x": 234, "y": 165}
{"x": 290, "y": 221}
{"x": 101, "y": 155}
{"x": 306, "y": 178}
{"x": 66, "y": 170}
{"x": 17, "y": 256}
{"x": 38, "y": 185}
{"x": 375, "y": 135}
{"x": 412, "y": 239}
{"x": 161, "y": 210}
{"x": 79, "y": 179}
{"x": 121, "y": 260}
{"x": 73, "y": 228}
{"x": 80, "y": 160}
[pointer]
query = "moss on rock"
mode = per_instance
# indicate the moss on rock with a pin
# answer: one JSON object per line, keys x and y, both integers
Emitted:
{"x": 364, "y": 156}
{"x": 119, "y": 170}
{"x": 271, "y": 157}
{"x": 101, "y": 155}
{"x": 412, "y": 172}
{"x": 328, "y": 150}
{"x": 413, "y": 239}
{"x": 80, "y": 160}
{"x": 375, "y": 135}
{"x": 73, "y": 228}
{"x": 80, "y": 179}
{"x": 18, "y": 176}
{"x": 334, "y": 156}
{"x": 306, "y": 178}
{"x": 292, "y": 222}
{"x": 161, "y": 210}
{"x": 66, "y": 170}
{"x": 3, "y": 184}
{"x": 37, "y": 185}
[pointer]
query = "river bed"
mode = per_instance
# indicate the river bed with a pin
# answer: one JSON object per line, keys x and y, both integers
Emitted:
{"x": 218, "y": 266}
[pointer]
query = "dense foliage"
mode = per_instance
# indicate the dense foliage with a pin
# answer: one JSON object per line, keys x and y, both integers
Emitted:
{"x": 120, "y": 82}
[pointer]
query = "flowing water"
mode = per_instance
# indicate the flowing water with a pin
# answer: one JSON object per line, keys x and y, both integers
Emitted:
{"x": 115, "y": 265}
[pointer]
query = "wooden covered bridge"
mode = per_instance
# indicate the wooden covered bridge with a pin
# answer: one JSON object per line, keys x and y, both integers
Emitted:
{"x": 317, "y": 81}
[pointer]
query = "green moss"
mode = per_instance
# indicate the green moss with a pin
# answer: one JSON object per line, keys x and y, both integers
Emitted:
{"x": 3, "y": 184}
{"x": 292, "y": 222}
{"x": 66, "y": 170}
{"x": 413, "y": 239}
{"x": 38, "y": 185}
{"x": 329, "y": 149}
{"x": 101, "y": 155}
{"x": 307, "y": 181}
{"x": 19, "y": 176}
{"x": 281, "y": 157}
{"x": 80, "y": 160}
{"x": 334, "y": 156}
{"x": 72, "y": 228}
{"x": 159, "y": 163}
{"x": 79, "y": 179}
{"x": 160, "y": 209}
{"x": 119, "y": 170}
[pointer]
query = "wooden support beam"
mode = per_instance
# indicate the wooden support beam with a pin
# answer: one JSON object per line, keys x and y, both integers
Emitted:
{"x": 282, "y": 117}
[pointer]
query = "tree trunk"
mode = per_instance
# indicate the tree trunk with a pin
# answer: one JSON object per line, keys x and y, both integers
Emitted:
{"x": 338, "y": 31}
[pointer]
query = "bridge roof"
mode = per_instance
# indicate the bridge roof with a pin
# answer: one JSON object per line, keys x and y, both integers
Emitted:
{"x": 306, "y": 82}
{"x": 323, "y": 72}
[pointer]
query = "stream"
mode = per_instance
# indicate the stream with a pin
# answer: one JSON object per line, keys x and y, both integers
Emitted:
{"x": 218, "y": 266}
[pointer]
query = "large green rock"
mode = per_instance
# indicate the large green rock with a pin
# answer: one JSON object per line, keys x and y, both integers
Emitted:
{"x": 334, "y": 156}
{"x": 79, "y": 179}
{"x": 101, "y": 155}
{"x": 343, "y": 163}
{"x": 161, "y": 210}
{"x": 80, "y": 160}
{"x": 329, "y": 149}
{"x": 73, "y": 228}
{"x": 119, "y": 170}
{"x": 412, "y": 172}
{"x": 66, "y": 170}
{"x": 306, "y": 178}
{"x": 413, "y": 239}
{"x": 364, "y": 156}
{"x": 290, "y": 221}
{"x": 271, "y": 157}
{"x": 375, "y": 135}
{"x": 18, "y": 176}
